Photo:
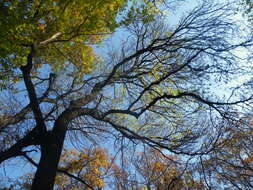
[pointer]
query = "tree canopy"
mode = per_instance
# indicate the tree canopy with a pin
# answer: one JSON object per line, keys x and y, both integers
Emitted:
{"x": 59, "y": 32}
{"x": 160, "y": 108}
{"x": 248, "y": 5}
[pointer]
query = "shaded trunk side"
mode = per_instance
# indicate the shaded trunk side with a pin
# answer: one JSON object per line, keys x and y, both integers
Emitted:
{"x": 51, "y": 148}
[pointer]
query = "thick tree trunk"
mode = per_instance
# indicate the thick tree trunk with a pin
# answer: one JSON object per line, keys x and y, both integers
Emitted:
{"x": 51, "y": 148}
{"x": 46, "y": 172}
{"x": 50, "y": 156}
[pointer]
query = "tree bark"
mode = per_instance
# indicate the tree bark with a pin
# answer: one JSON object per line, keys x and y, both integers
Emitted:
{"x": 46, "y": 172}
{"x": 51, "y": 148}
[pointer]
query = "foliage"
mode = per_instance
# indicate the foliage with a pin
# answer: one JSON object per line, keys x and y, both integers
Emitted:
{"x": 231, "y": 163}
{"x": 77, "y": 22}
{"x": 61, "y": 32}
{"x": 157, "y": 171}
{"x": 90, "y": 166}
{"x": 248, "y": 8}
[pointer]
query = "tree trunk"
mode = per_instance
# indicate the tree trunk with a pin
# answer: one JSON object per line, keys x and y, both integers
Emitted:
{"x": 51, "y": 148}
{"x": 46, "y": 172}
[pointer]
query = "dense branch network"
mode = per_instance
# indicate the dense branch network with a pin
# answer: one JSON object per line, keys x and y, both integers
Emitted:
{"x": 157, "y": 79}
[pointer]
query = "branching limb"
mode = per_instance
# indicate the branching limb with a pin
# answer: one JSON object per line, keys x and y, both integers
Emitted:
{"x": 26, "y": 70}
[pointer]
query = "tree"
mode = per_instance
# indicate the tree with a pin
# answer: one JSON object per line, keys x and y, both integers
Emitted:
{"x": 153, "y": 90}
{"x": 231, "y": 163}
{"x": 157, "y": 171}
{"x": 55, "y": 32}
{"x": 59, "y": 33}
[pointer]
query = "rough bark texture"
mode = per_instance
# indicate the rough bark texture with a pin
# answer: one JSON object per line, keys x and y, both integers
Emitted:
{"x": 50, "y": 156}
{"x": 51, "y": 148}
